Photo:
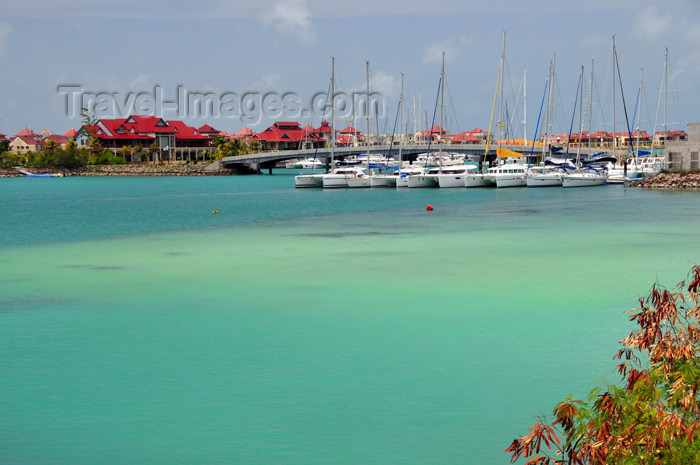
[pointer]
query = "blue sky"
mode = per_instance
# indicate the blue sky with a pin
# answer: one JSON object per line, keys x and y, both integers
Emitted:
{"x": 140, "y": 53}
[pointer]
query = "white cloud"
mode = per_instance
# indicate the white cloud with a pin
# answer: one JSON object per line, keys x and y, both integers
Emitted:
{"x": 5, "y": 31}
{"x": 292, "y": 18}
{"x": 454, "y": 48}
{"x": 140, "y": 82}
{"x": 385, "y": 84}
{"x": 652, "y": 25}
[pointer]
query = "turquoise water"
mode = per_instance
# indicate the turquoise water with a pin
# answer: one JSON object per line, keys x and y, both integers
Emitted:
{"x": 310, "y": 326}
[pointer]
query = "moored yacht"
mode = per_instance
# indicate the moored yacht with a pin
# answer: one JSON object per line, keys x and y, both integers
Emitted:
{"x": 544, "y": 178}
{"x": 427, "y": 179}
{"x": 406, "y": 173}
{"x": 453, "y": 175}
{"x": 340, "y": 176}
{"x": 308, "y": 180}
{"x": 584, "y": 178}
{"x": 508, "y": 175}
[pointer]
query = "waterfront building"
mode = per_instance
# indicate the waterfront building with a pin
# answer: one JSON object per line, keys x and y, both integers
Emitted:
{"x": 206, "y": 130}
{"x": 289, "y": 135}
{"x": 661, "y": 137}
{"x": 682, "y": 154}
{"x": 350, "y": 137}
{"x": 465, "y": 137}
{"x": 174, "y": 140}
{"x": 26, "y": 141}
{"x": 244, "y": 135}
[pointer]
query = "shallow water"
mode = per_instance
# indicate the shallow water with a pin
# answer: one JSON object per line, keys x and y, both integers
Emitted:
{"x": 311, "y": 326}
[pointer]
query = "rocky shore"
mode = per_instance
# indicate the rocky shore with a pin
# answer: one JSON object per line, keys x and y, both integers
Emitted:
{"x": 141, "y": 169}
{"x": 670, "y": 181}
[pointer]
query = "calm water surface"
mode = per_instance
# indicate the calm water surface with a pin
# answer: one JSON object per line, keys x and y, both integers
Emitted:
{"x": 309, "y": 326}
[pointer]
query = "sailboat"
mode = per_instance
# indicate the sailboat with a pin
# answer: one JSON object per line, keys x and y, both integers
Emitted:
{"x": 429, "y": 176}
{"x": 316, "y": 180}
{"x": 481, "y": 179}
{"x": 545, "y": 177}
{"x": 651, "y": 164}
{"x": 589, "y": 175}
{"x": 388, "y": 179}
{"x": 628, "y": 170}
{"x": 359, "y": 178}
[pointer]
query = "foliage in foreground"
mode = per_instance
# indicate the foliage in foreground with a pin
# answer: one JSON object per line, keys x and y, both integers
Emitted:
{"x": 654, "y": 417}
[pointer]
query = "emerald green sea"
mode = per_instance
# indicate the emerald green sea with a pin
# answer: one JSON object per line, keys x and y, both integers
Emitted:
{"x": 308, "y": 327}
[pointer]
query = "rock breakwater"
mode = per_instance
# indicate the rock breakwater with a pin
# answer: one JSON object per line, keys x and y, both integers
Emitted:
{"x": 145, "y": 169}
{"x": 670, "y": 181}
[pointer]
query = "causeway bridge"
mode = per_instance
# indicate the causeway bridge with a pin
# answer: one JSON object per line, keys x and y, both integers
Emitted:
{"x": 268, "y": 160}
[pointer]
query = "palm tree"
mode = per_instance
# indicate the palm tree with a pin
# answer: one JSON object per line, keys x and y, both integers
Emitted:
{"x": 50, "y": 146}
{"x": 138, "y": 150}
{"x": 127, "y": 152}
{"x": 255, "y": 145}
{"x": 152, "y": 151}
{"x": 94, "y": 144}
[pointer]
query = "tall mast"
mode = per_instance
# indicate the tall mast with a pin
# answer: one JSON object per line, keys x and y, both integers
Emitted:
{"x": 401, "y": 129}
{"x": 332, "y": 109}
{"x": 665, "y": 96}
{"x": 525, "y": 105}
{"x": 590, "y": 106}
{"x": 613, "y": 98}
{"x": 500, "y": 112}
{"x": 493, "y": 108}
{"x": 546, "y": 116}
{"x": 639, "y": 113}
{"x": 550, "y": 113}
{"x": 580, "y": 118}
{"x": 442, "y": 96}
{"x": 367, "y": 112}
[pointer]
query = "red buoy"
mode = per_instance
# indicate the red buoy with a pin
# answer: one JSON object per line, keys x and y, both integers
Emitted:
{"x": 429, "y": 208}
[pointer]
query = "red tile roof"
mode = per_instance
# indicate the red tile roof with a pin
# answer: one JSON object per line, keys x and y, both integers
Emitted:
{"x": 185, "y": 132}
{"x": 60, "y": 140}
{"x": 285, "y": 132}
{"x": 208, "y": 129}
{"x": 351, "y": 130}
{"x": 148, "y": 124}
{"x": 33, "y": 139}
{"x": 26, "y": 132}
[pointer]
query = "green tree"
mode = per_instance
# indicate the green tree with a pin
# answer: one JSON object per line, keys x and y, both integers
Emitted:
{"x": 87, "y": 117}
{"x": 126, "y": 152}
{"x": 654, "y": 417}
{"x": 153, "y": 150}
{"x": 50, "y": 146}
{"x": 138, "y": 152}
{"x": 255, "y": 146}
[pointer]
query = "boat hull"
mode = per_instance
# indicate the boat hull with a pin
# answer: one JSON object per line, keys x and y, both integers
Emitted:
{"x": 515, "y": 180}
{"x": 421, "y": 181}
{"x": 582, "y": 180}
{"x": 450, "y": 180}
{"x": 383, "y": 180}
{"x": 335, "y": 181}
{"x": 544, "y": 180}
{"x": 308, "y": 180}
{"x": 477, "y": 180}
{"x": 359, "y": 182}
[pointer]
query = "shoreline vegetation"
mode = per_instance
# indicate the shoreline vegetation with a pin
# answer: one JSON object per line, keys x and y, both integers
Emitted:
{"x": 653, "y": 417}
{"x": 141, "y": 169}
